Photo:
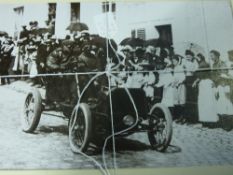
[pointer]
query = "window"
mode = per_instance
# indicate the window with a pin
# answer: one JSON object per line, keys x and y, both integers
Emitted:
{"x": 52, "y": 11}
{"x": 51, "y": 17}
{"x": 165, "y": 34}
{"x": 133, "y": 33}
{"x": 138, "y": 33}
{"x": 19, "y": 10}
{"x": 108, "y": 7}
{"x": 141, "y": 33}
{"x": 75, "y": 12}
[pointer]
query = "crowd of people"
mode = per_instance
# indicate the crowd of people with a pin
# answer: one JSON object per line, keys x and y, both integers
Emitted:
{"x": 16, "y": 56}
{"x": 166, "y": 76}
{"x": 185, "y": 81}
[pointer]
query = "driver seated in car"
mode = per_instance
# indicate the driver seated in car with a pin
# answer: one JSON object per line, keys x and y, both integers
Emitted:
{"x": 57, "y": 63}
{"x": 91, "y": 59}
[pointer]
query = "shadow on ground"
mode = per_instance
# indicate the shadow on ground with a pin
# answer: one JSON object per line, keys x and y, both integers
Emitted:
{"x": 126, "y": 144}
{"x": 62, "y": 129}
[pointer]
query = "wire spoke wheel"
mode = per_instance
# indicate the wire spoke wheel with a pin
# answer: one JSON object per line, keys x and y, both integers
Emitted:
{"x": 80, "y": 128}
{"x": 160, "y": 124}
{"x": 29, "y": 109}
{"x": 32, "y": 111}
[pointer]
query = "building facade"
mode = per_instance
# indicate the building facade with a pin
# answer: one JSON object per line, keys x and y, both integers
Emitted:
{"x": 206, "y": 23}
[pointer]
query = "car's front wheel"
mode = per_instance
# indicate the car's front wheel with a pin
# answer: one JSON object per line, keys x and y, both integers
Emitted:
{"x": 80, "y": 128}
{"x": 160, "y": 124}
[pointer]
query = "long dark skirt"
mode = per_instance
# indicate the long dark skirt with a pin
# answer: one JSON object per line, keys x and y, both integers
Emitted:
{"x": 4, "y": 69}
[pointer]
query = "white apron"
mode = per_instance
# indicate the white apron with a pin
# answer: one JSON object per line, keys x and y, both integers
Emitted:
{"x": 207, "y": 107}
{"x": 224, "y": 105}
{"x": 166, "y": 80}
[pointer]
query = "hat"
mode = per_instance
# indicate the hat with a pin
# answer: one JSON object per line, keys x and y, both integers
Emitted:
{"x": 31, "y": 48}
{"x": 139, "y": 48}
{"x": 20, "y": 42}
{"x": 215, "y": 52}
{"x": 128, "y": 48}
{"x": 84, "y": 32}
{"x": 77, "y": 36}
{"x": 189, "y": 52}
{"x": 150, "y": 49}
{"x": 48, "y": 40}
{"x": 67, "y": 37}
{"x": 139, "y": 51}
{"x": 67, "y": 42}
{"x": 176, "y": 57}
{"x": 53, "y": 37}
{"x": 31, "y": 23}
{"x": 37, "y": 40}
{"x": 200, "y": 55}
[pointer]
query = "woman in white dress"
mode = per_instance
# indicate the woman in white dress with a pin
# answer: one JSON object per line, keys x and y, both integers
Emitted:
{"x": 207, "y": 107}
{"x": 179, "y": 88}
{"x": 166, "y": 81}
{"x": 224, "y": 102}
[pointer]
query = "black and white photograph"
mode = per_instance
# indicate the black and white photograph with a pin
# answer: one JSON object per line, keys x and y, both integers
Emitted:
{"x": 112, "y": 84}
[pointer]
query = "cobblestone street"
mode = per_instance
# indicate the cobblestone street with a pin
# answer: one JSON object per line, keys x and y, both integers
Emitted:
{"x": 49, "y": 148}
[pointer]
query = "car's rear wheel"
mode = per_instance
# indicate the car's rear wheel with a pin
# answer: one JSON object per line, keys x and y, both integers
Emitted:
{"x": 32, "y": 111}
{"x": 160, "y": 124}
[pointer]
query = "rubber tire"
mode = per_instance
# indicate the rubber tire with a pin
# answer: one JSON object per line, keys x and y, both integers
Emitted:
{"x": 168, "y": 118}
{"x": 37, "y": 111}
{"x": 88, "y": 130}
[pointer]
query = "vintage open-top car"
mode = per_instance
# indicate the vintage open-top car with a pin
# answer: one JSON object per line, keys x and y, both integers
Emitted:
{"x": 90, "y": 120}
{"x": 100, "y": 107}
